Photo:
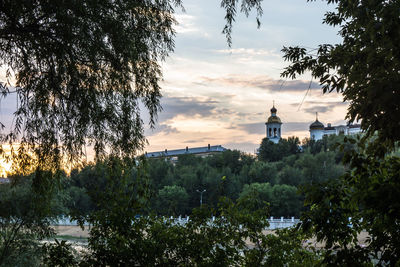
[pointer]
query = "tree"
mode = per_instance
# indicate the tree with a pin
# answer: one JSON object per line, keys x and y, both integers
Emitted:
{"x": 81, "y": 70}
{"x": 364, "y": 67}
{"x": 81, "y": 184}
{"x": 282, "y": 199}
{"x": 365, "y": 198}
{"x": 119, "y": 237}
{"x": 262, "y": 172}
{"x": 291, "y": 176}
{"x": 286, "y": 202}
{"x": 233, "y": 159}
{"x": 25, "y": 221}
{"x": 292, "y": 145}
{"x": 172, "y": 200}
{"x": 262, "y": 191}
{"x": 159, "y": 171}
{"x": 269, "y": 151}
{"x": 313, "y": 146}
{"x": 319, "y": 167}
{"x": 74, "y": 85}
{"x": 115, "y": 240}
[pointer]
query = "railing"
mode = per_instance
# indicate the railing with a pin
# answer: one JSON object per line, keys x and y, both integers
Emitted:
{"x": 282, "y": 223}
{"x": 274, "y": 223}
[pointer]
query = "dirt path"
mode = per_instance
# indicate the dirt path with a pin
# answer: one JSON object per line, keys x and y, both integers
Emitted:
{"x": 76, "y": 231}
{"x": 68, "y": 230}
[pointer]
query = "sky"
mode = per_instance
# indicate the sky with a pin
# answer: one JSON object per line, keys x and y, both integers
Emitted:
{"x": 220, "y": 95}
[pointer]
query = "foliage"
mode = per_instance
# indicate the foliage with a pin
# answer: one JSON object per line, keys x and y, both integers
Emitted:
{"x": 59, "y": 254}
{"x": 291, "y": 176}
{"x": 174, "y": 187}
{"x": 24, "y": 220}
{"x": 121, "y": 236}
{"x": 318, "y": 168}
{"x": 232, "y": 6}
{"x": 77, "y": 84}
{"x": 314, "y": 146}
{"x": 364, "y": 67}
{"x": 172, "y": 200}
{"x": 286, "y": 248}
{"x": 81, "y": 70}
{"x": 83, "y": 184}
{"x": 368, "y": 194}
{"x": 269, "y": 151}
{"x": 283, "y": 200}
{"x": 262, "y": 172}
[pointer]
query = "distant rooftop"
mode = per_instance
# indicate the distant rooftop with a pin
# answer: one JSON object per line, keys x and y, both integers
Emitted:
{"x": 185, "y": 151}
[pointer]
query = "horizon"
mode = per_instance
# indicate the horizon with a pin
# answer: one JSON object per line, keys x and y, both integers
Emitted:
{"x": 213, "y": 94}
{"x": 221, "y": 95}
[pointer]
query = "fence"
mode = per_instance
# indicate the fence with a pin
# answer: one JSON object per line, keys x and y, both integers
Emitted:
{"x": 273, "y": 222}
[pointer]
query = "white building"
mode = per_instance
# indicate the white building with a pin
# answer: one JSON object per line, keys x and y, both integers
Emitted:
{"x": 318, "y": 130}
{"x": 273, "y": 126}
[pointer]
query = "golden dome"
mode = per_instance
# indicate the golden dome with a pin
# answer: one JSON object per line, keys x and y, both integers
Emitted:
{"x": 316, "y": 125}
{"x": 274, "y": 119}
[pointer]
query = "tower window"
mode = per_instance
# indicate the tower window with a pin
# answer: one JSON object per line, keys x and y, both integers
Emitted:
{"x": 274, "y": 132}
{"x": 269, "y": 132}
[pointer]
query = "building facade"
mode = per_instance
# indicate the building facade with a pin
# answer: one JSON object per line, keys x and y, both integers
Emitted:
{"x": 318, "y": 129}
{"x": 198, "y": 151}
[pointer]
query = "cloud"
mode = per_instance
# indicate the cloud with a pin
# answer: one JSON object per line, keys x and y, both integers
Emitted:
{"x": 248, "y": 52}
{"x": 186, "y": 23}
{"x": 186, "y": 106}
{"x": 295, "y": 126}
{"x": 261, "y": 82}
{"x": 313, "y": 107}
{"x": 253, "y": 128}
{"x": 319, "y": 109}
{"x": 161, "y": 128}
{"x": 192, "y": 141}
{"x": 198, "y": 140}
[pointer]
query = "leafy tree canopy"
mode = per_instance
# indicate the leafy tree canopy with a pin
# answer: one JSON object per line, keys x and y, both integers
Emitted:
{"x": 172, "y": 200}
{"x": 82, "y": 68}
{"x": 269, "y": 151}
{"x": 81, "y": 71}
{"x": 364, "y": 67}
{"x": 24, "y": 220}
{"x": 365, "y": 198}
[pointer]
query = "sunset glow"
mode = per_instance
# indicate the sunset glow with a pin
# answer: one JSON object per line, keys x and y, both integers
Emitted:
{"x": 214, "y": 94}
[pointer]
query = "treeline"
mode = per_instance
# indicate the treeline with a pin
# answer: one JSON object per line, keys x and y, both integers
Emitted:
{"x": 111, "y": 196}
{"x": 275, "y": 176}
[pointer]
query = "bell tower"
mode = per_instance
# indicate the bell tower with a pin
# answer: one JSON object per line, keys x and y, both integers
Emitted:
{"x": 273, "y": 126}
